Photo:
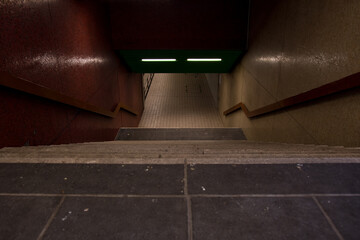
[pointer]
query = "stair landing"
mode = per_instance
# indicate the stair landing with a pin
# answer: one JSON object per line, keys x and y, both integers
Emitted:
{"x": 224, "y": 189}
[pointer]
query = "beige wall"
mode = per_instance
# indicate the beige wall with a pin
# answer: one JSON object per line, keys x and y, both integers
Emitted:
{"x": 295, "y": 46}
{"x": 213, "y": 82}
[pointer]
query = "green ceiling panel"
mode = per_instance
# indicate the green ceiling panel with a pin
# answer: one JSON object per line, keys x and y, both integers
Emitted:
{"x": 132, "y": 59}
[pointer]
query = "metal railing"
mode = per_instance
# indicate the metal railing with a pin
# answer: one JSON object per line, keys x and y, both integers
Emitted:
{"x": 147, "y": 80}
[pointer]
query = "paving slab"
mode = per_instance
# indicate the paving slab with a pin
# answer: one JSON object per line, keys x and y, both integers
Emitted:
{"x": 25, "y": 217}
{"x": 91, "y": 178}
{"x": 345, "y": 214}
{"x": 259, "y": 218}
{"x": 120, "y": 218}
{"x": 274, "y": 179}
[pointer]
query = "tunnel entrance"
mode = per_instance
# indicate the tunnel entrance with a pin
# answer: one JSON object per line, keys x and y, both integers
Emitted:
{"x": 182, "y": 100}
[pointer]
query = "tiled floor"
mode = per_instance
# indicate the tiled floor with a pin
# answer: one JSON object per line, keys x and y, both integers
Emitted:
{"x": 180, "y": 101}
{"x": 181, "y": 201}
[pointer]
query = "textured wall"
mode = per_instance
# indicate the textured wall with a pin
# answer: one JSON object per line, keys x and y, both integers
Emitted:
{"x": 295, "y": 46}
{"x": 66, "y": 46}
{"x": 213, "y": 82}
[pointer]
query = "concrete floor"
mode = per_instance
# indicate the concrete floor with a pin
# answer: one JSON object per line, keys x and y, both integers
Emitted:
{"x": 181, "y": 201}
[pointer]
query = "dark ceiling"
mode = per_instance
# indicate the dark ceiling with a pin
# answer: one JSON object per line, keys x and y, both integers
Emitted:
{"x": 180, "y": 28}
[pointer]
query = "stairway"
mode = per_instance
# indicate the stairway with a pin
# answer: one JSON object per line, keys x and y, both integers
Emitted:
{"x": 180, "y": 189}
{"x": 174, "y": 146}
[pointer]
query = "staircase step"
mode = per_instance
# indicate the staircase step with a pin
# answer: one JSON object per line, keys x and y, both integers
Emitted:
{"x": 228, "y": 151}
{"x": 176, "y": 147}
{"x": 181, "y": 134}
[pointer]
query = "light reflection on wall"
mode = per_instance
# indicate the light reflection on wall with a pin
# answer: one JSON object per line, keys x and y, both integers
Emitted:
{"x": 28, "y": 2}
{"x": 51, "y": 60}
{"x": 270, "y": 59}
{"x": 314, "y": 59}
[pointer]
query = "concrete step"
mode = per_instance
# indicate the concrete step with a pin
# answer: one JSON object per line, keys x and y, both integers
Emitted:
{"x": 229, "y": 149}
{"x": 179, "y": 148}
{"x": 178, "y": 155}
{"x": 180, "y": 134}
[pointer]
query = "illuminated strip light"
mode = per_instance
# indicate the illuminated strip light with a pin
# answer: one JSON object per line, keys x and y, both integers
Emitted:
{"x": 204, "y": 59}
{"x": 158, "y": 60}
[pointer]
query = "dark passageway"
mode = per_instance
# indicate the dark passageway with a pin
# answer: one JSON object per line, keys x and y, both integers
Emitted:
{"x": 250, "y": 129}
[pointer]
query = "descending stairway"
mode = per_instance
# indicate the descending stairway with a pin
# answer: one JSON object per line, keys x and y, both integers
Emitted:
{"x": 180, "y": 189}
{"x": 175, "y": 151}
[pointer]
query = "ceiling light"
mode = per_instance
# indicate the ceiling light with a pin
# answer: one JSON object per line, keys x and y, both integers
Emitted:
{"x": 204, "y": 59}
{"x": 158, "y": 60}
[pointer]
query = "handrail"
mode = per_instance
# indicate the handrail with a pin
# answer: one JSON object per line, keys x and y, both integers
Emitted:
{"x": 148, "y": 84}
{"x": 20, "y": 84}
{"x": 345, "y": 83}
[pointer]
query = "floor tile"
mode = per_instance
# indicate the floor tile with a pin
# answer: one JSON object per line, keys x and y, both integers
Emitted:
{"x": 274, "y": 179}
{"x": 345, "y": 214}
{"x": 120, "y": 218}
{"x": 180, "y": 101}
{"x": 25, "y": 217}
{"x": 259, "y": 218}
{"x": 91, "y": 178}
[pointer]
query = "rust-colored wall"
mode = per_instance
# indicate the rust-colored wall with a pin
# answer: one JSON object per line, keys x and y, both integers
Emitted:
{"x": 64, "y": 45}
{"x": 183, "y": 24}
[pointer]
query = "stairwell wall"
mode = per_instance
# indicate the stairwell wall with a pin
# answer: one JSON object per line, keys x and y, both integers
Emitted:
{"x": 295, "y": 46}
{"x": 66, "y": 46}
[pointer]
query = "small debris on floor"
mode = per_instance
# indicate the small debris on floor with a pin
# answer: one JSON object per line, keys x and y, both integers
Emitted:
{"x": 154, "y": 200}
{"x": 66, "y": 216}
{"x": 65, "y": 178}
{"x": 86, "y": 210}
{"x": 203, "y": 188}
{"x": 299, "y": 166}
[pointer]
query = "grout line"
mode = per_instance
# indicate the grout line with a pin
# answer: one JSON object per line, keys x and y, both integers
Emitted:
{"x": 328, "y": 218}
{"x": 56, "y": 210}
{"x": 188, "y": 202}
{"x": 186, "y": 195}
{"x": 275, "y": 195}
{"x": 90, "y": 195}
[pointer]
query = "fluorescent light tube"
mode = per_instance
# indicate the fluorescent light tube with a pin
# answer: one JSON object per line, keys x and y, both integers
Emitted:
{"x": 158, "y": 60}
{"x": 204, "y": 59}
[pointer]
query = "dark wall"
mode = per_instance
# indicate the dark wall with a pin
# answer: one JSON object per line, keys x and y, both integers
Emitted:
{"x": 66, "y": 46}
{"x": 184, "y": 24}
